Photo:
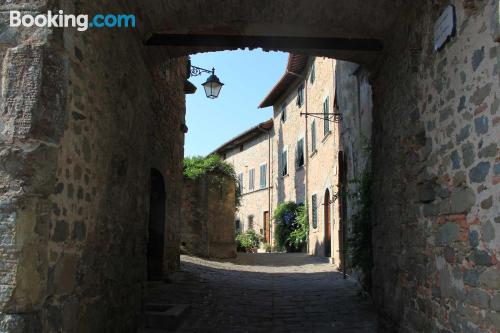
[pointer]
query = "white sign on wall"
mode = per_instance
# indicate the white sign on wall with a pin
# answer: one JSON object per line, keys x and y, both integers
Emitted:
{"x": 445, "y": 27}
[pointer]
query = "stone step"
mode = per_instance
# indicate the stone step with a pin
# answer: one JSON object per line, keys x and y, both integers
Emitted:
{"x": 164, "y": 316}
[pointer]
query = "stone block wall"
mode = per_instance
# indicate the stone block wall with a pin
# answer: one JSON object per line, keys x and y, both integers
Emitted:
{"x": 86, "y": 115}
{"x": 208, "y": 210}
{"x": 436, "y": 171}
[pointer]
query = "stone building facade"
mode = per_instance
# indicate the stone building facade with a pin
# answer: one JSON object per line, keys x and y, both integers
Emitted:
{"x": 251, "y": 154}
{"x": 296, "y": 158}
{"x": 307, "y": 147}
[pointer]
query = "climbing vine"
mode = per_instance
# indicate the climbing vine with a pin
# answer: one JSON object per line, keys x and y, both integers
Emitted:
{"x": 291, "y": 226}
{"x": 360, "y": 242}
{"x": 197, "y": 166}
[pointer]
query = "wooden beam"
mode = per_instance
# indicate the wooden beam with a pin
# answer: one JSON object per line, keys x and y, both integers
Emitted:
{"x": 266, "y": 42}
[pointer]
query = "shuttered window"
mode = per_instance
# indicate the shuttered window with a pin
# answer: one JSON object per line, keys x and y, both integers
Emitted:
{"x": 300, "y": 95}
{"x": 284, "y": 163}
{"x": 251, "y": 180}
{"x": 283, "y": 113}
{"x": 326, "y": 117}
{"x": 314, "y": 207}
{"x": 263, "y": 176}
{"x": 299, "y": 161}
{"x": 240, "y": 182}
{"x": 313, "y": 136}
{"x": 312, "y": 78}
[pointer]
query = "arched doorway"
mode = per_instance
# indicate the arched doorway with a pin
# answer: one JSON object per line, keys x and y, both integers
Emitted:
{"x": 156, "y": 226}
{"x": 327, "y": 232}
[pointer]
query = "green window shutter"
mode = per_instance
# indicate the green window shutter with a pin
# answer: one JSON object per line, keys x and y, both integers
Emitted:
{"x": 313, "y": 73}
{"x": 326, "y": 122}
{"x": 314, "y": 206}
{"x": 263, "y": 176}
{"x": 313, "y": 136}
{"x": 283, "y": 113}
{"x": 251, "y": 180}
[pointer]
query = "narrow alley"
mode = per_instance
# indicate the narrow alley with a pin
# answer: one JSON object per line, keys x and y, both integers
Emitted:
{"x": 276, "y": 292}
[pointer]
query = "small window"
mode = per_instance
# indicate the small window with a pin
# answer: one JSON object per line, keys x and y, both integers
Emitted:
{"x": 300, "y": 154}
{"x": 283, "y": 113}
{"x": 237, "y": 225}
{"x": 326, "y": 117}
{"x": 284, "y": 163}
{"x": 312, "y": 77}
{"x": 250, "y": 222}
{"x": 251, "y": 180}
{"x": 263, "y": 176}
{"x": 240, "y": 182}
{"x": 313, "y": 136}
{"x": 300, "y": 95}
{"x": 314, "y": 207}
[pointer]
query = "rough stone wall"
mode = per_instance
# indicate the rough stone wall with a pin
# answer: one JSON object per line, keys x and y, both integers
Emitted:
{"x": 437, "y": 173}
{"x": 253, "y": 203}
{"x": 208, "y": 209}
{"x": 354, "y": 96}
{"x": 322, "y": 163}
{"x": 33, "y": 114}
{"x": 79, "y": 139}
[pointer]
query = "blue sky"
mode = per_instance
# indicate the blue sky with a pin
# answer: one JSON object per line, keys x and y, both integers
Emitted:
{"x": 248, "y": 76}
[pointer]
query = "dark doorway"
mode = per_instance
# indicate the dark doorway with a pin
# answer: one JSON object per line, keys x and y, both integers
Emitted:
{"x": 327, "y": 232}
{"x": 267, "y": 228}
{"x": 156, "y": 226}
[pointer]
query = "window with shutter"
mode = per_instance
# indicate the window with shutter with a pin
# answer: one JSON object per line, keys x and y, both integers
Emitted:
{"x": 313, "y": 136}
{"x": 314, "y": 207}
{"x": 312, "y": 78}
{"x": 284, "y": 163}
{"x": 283, "y": 113}
{"x": 251, "y": 180}
{"x": 300, "y": 95}
{"x": 300, "y": 153}
{"x": 263, "y": 176}
{"x": 326, "y": 117}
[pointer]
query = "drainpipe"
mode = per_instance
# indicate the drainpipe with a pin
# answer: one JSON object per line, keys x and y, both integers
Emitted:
{"x": 306, "y": 151}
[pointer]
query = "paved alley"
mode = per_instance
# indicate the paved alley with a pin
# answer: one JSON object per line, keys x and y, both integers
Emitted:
{"x": 266, "y": 293}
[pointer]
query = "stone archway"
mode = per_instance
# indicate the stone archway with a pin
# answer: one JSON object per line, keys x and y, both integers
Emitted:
{"x": 156, "y": 229}
{"x": 79, "y": 130}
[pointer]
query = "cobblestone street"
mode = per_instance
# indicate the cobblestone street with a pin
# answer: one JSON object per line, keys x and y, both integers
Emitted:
{"x": 266, "y": 293}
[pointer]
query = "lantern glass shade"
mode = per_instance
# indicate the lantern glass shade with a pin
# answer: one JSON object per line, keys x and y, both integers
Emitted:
{"x": 212, "y": 86}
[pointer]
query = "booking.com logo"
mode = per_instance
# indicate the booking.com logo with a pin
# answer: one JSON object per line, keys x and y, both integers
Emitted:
{"x": 81, "y": 22}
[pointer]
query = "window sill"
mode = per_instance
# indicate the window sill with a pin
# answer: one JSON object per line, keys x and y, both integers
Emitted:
{"x": 299, "y": 168}
{"x": 314, "y": 153}
{"x": 284, "y": 176}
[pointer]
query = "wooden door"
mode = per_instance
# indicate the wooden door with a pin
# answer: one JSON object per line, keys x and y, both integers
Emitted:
{"x": 327, "y": 231}
{"x": 267, "y": 228}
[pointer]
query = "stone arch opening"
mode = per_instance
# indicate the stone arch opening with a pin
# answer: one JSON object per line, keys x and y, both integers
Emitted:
{"x": 156, "y": 227}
